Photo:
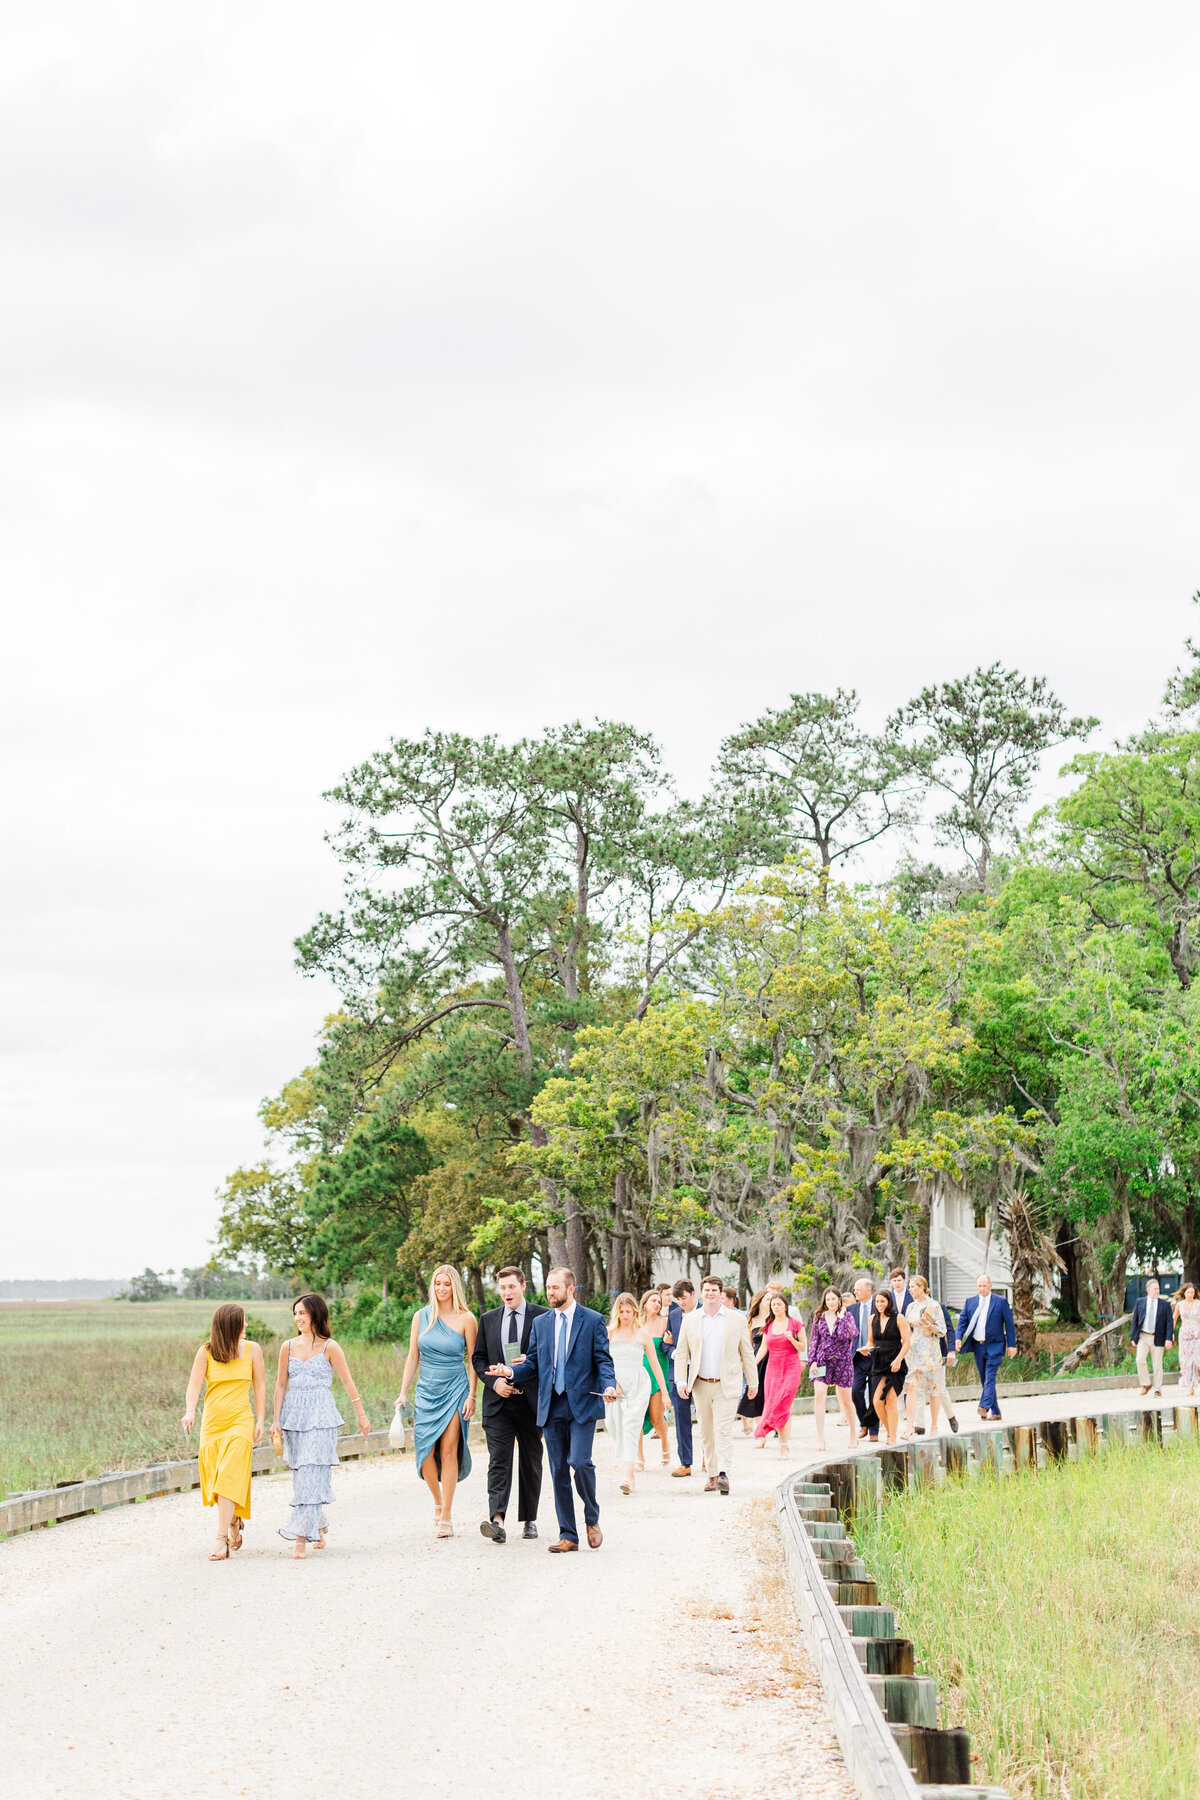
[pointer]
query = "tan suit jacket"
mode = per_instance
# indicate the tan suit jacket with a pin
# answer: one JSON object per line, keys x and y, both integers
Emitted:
{"x": 737, "y": 1357}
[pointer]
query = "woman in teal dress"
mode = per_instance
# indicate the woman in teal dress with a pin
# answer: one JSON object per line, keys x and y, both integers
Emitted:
{"x": 442, "y": 1343}
{"x": 656, "y": 1412}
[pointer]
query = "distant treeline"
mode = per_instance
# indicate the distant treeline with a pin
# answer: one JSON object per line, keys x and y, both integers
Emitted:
{"x": 61, "y": 1290}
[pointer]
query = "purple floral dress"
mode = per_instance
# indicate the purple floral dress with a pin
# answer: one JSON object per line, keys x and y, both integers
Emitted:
{"x": 833, "y": 1351}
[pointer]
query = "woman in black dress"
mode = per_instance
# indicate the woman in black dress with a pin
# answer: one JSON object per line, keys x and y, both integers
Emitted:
{"x": 888, "y": 1340}
{"x": 757, "y": 1316}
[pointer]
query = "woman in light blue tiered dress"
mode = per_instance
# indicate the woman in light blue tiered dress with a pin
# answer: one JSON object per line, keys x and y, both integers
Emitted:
{"x": 442, "y": 1343}
{"x": 307, "y": 1420}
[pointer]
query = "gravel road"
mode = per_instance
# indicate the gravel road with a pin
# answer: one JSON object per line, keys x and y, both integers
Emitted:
{"x": 132, "y": 1668}
{"x": 392, "y": 1662}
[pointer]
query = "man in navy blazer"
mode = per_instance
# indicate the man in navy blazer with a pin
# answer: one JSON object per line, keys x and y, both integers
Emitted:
{"x": 1151, "y": 1331}
{"x": 860, "y": 1393}
{"x": 987, "y": 1329}
{"x": 569, "y": 1358}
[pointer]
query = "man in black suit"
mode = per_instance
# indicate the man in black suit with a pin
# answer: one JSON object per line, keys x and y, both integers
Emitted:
{"x": 509, "y": 1409}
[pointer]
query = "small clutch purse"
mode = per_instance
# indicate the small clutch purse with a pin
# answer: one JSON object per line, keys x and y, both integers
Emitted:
{"x": 396, "y": 1431}
{"x": 276, "y": 1440}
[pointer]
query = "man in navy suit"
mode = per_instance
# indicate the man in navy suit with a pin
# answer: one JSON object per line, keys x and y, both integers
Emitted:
{"x": 683, "y": 1299}
{"x": 900, "y": 1288}
{"x": 569, "y": 1358}
{"x": 860, "y": 1312}
{"x": 987, "y": 1329}
{"x": 1151, "y": 1332}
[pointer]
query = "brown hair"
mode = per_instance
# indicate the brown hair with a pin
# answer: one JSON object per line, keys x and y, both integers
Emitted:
{"x": 511, "y": 1269}
{"x": 318, "y": 1313}
{"x": 224, "y": 1334}
{"x": 682, "y": 1286}
{"x": 732, "y": 1296}
{"x": 898, "y": 1275}
{"x": 713, "y": 1281}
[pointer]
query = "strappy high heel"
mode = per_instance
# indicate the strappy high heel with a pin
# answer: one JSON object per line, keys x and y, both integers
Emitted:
{"x": 235, "y": 1535}
{"x": 222, "y": 1554}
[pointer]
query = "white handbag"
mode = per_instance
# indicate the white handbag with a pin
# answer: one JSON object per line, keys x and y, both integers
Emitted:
{"x": 396, "y": 1434}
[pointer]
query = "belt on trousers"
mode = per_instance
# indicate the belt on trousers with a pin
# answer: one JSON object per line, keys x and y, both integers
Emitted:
{"x": 708, "y": 1378}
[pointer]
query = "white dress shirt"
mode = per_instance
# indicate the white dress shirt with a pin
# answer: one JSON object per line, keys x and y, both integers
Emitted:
{"x": 568, "y": 1317}
{"x": 512, "y": 1325}
{"x": 713, "y": 1333}
{"x": 979, "y": 1329}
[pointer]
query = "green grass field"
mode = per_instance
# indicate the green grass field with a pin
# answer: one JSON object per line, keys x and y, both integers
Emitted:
{"x": 89, "y": 1386}
{"x": 1058, "y": 1614}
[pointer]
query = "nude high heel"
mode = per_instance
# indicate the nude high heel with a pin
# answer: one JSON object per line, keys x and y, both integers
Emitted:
{"x": 222, "y": 1553}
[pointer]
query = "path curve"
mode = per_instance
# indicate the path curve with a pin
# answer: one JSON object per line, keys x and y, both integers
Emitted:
{"x": 132, "y": 1668}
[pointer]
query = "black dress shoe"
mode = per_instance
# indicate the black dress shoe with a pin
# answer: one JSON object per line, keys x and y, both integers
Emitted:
{"x": 492, "y": 1528}
{"x": 953, "y": 1423}
{"x": 530, "y": 1530}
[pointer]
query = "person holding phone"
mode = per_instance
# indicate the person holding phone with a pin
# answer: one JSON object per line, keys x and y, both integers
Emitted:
{"x": 509, "y": 1407}
{"x": 831, "y": 1362}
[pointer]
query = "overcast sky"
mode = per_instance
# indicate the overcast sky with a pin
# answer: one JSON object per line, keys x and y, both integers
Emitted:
{"x": 489, "y": 365}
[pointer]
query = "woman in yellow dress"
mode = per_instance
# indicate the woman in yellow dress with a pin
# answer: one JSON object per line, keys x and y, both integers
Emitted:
{"x": 228, "y": 1367}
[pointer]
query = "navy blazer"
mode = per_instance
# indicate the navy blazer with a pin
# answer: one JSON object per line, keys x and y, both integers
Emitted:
{"x": 589, "y": 1364}
{"x": 1001, "y": 1327}
{"x": 855, "y": 1309}
{"x": 1164, "y": 1322}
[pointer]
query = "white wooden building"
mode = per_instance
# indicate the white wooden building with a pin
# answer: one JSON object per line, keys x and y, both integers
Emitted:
{"x": 961, "y": 1251}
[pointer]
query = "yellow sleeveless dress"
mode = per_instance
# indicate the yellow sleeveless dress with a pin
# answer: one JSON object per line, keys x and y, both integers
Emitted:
{"x": 227, "y": 1434}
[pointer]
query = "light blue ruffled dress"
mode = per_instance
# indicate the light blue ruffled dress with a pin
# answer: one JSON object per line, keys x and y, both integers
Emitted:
{"x": 442, "y": 1389}
{"x": 309, "y": 1423}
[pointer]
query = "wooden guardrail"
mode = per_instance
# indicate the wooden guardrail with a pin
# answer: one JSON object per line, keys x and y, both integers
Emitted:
{"x": 884, "y": 1714}
{"x": 47, "y": 1506}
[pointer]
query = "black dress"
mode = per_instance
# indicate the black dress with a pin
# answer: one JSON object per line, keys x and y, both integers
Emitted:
{"x": 748, "y": 1408}
{"x": 886, "y": 1347}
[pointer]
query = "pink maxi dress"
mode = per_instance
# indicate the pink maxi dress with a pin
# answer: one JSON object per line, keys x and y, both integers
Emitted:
{"x": 785, "y": 1365}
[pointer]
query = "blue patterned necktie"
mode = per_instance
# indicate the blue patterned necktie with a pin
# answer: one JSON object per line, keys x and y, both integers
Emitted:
{"x": 560, "y": 1361}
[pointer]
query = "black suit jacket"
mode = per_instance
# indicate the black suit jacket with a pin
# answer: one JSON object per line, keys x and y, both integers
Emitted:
{"x": 489, "y": 1350}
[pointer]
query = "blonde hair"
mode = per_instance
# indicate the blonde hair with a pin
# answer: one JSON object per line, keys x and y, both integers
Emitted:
{"x": 614, "y": 1317}
{"x": 457, "y": 1295}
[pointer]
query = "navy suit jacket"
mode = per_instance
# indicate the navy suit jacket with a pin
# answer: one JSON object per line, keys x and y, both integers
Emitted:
{"x": 1164, "y": 1321}
{"x": 589, "y": 1364}
{"x": 1001, "y": 1327}
{"x": 854, "y": 1311}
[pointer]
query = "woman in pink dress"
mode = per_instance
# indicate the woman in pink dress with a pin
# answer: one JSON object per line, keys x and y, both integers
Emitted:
{"x": 783, "y": 1345}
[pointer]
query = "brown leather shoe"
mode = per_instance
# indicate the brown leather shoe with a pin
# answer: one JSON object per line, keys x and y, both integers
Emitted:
{"x": 595, "y": 1536}
{"x": 563, "y": 1545}
{"x": 683, "y": 1469}
{"x": 722, "y": 1484}
{"x": 1145, "y": 1390}
{"x": 710, "y": 1486}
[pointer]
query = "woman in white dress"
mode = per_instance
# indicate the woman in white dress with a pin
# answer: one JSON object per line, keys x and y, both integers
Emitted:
{"x": 632, "y": 1347}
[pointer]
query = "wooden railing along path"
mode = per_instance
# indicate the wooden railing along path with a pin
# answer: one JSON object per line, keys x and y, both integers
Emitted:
{"x": 885, "y": 1715}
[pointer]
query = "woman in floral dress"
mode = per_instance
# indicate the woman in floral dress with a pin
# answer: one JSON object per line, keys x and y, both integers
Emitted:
{"x": 831, "y": 1362}
{"x": 1187, "y": 1322}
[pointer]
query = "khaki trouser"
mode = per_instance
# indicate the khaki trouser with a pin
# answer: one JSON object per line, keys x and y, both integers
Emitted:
{"x": 1147, "y": 1348}
{"x": 715, "y": 1412}
{"x": 939, "y": 1388}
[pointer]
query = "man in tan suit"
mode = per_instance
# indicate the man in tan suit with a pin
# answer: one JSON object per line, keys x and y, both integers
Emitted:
{"x": 712, "y": 1355}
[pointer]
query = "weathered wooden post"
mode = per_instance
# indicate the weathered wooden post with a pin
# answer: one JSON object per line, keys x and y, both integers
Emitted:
{"x": 896, "y": 1462}
{"x": 936, "y": 1756}
{"x": 1024, "y": 1448}
{"x": 989, "y": 1447}
{"x": 958, "y": 1458}
{"x": 1055, "y": 1439}
{"x": 1087, "y": 1436}
{"x": 1185, "y": 1420}
{"x": 1150, "y": 1426}
{"x": 927, "y": 1463}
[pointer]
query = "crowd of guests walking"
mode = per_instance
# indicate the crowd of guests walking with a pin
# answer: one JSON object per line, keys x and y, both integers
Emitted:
{"x": 550, "y": 1373}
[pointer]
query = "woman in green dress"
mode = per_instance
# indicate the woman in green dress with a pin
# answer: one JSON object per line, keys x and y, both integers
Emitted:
{"x": 656, "y": 1413}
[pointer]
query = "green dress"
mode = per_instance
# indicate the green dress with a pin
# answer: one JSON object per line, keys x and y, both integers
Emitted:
{"x": 664, "y": 1375}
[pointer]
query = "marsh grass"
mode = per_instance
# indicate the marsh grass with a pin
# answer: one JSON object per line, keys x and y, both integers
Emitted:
{"x": 1059, "y": 1616}
{"x": 86, "y": 1387}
